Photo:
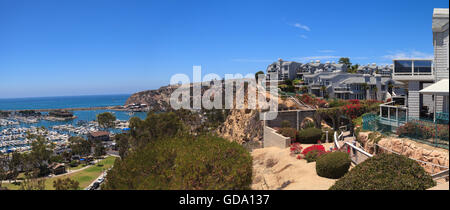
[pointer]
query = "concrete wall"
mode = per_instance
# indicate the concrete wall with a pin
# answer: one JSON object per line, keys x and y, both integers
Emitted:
{"x": 274, "y": 139}
{"x": 295, "y": 117}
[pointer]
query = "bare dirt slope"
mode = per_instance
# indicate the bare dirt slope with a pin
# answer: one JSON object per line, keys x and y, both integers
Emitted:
{"x": 275, "y": 168}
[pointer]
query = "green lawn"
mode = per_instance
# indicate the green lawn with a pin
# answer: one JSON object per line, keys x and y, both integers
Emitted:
{"x": 84, "y": 177}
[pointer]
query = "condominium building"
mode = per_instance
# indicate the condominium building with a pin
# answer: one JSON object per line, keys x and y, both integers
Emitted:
{"x": 285, "y": 70}
{"x": 426, "y": 98}
{"x": 344, "y": 85}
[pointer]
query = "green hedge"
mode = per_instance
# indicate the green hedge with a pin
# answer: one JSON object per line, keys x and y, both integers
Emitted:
{"x": 184, "y": 163}
{"x": 333, "y": 165}
{"x": 309, "y": 136}
{"x": 311, "y": 156}
{"x": 330, "y": 135}
{"x": 386, "y": 172}
{"x": 289, "y": 132}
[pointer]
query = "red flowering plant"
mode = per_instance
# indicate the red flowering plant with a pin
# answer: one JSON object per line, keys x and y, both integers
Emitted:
{"x": 316, "y": 147}
{"x": 354, "y": 101}
{"x": 313, "y": 152}
{"x": 307, "y": 99}
{"x": 351, "y": 110}
{"x": 321, "y": 103}
{"x": 296, "y": 148}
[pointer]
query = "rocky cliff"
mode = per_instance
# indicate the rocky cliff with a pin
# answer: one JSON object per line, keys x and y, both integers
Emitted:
{"x": 157, "y": 100}
{"x": 409, "y": 149}
{"x": 241, "y": 125}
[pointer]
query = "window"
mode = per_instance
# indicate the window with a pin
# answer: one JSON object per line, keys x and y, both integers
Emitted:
{"x": 404, "y": 66}
{"x": 422, "y": 66}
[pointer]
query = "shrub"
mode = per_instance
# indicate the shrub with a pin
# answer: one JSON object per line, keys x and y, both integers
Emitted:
{"x": 308, "y": 124}
{"x": 333, "y": 165}
{"x": 73, "y": 163}
{"x": 415, "y": 130}
{"x": 312, "y": 156}
{"x": 285, "y": 124}
{"x": 386, "y": 172}
{"x": 330, "y": 135}
{"x": 289, "y": 132}
{"x": 182, "y": 163}
{"x": 309, "y": 135}
{"x": 443, "y": 132}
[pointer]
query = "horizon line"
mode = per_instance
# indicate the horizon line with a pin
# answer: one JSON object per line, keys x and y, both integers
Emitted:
{"x": 108, "y": 94}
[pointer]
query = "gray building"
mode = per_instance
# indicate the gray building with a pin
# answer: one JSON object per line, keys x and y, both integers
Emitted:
{"x": 344, "y": 85}
{"x": 373, "y": 69}
{"x": 418, "y": 74}
{"x": 284, "y": 69}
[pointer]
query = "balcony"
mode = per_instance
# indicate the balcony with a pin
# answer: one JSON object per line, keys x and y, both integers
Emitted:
{"x": 393, "y": 114}
{"x": 414, "y": 69}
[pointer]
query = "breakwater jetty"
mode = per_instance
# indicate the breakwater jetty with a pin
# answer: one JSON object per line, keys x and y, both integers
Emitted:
{"x": 119, "y": 108}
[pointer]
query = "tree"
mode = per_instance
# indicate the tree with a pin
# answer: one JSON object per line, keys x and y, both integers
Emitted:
{"x": 346, "y": 61}
{"x": 183, "y": 163}
{"x": 122, "y": 144}
{"x": 365, "y": 87}
{"x": 66, "y": 184}
{"x": 333, "y": 113}
{"x": 323, "y": 89}
{"x": 32, "y": 181}
{"x": 79, "y": 146}
{"x": 41, "y": 151}
{"x": 15, "y": 164}
{"x": 67, "y": 156}
{"x": 353, "y": 69}
{"x": 3, "y": 166}
{"x": 351, "y": 111}
{"x": 106, "y": 120}
{"x": 390, "y": 87}
{"x": 99, "y": 149}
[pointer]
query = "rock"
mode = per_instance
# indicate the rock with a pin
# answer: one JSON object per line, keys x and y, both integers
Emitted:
{"x": 249, "y": 128}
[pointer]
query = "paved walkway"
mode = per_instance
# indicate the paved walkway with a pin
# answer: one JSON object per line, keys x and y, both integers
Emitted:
{"x": 440, "y": 185}
{"x": 357, "y": 156}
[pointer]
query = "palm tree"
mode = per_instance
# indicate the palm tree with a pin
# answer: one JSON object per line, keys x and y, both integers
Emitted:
{"x": 365, "y": 88}
{"x": 376, "y": 93}
{"x": 390, "y": 87}
{"x": 323, "y": 89}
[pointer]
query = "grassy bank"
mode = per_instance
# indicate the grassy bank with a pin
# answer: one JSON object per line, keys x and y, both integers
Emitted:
{"x": 84, "y": 177}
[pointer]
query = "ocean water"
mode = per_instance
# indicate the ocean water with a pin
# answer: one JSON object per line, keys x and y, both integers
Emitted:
{"x": 71, "y": 102}
{"x": 59, "y": 102}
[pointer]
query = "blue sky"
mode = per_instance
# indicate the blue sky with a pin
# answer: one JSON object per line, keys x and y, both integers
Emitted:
{"x": 55, "y": 48}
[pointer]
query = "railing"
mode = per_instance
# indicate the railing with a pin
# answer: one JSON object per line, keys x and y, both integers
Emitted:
{"x": 357, "y": 155}
{"x": 442, "y": 116}
{"x": 336, "y": 139}
{"x": 300, "y": 103}
{"x": 412, "y": 73}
